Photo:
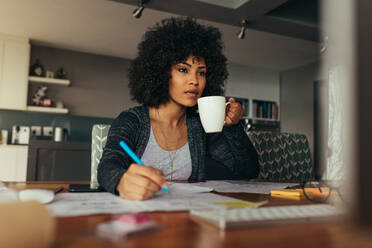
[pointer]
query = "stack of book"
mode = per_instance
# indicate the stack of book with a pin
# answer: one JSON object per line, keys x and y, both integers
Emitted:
{"x": 265, "y": 110}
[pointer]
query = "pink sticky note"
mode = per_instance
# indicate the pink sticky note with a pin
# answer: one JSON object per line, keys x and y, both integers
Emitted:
{"x": 137, "y": 218}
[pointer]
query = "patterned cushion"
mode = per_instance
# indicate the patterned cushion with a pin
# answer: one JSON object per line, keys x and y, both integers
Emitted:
{"x": 282, "y": 156}
{"x": 99, "y": 138}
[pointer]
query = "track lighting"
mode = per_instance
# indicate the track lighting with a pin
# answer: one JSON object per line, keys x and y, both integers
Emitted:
{"x": 241, "y": 34}
{"x": 324, "y": 44}
{"x": 138, "y": 11}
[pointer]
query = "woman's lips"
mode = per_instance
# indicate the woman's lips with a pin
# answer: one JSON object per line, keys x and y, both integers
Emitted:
{"x": 192, "y": 93}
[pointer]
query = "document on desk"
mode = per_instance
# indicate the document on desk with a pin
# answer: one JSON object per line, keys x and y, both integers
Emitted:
{"x": 234, "y": 186}
{"x": 75, "y": 204}
{"x": 184, "y": 196}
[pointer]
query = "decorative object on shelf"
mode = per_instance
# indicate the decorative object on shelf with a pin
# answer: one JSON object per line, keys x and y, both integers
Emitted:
{"x": 49, "y": 74}
{"x": 59, "y": 104}
{"x": 47, "y": 102}
{"x": 61, "y": 73}
{"x": 37, "y": 69}
{"x": 40, "y": 98}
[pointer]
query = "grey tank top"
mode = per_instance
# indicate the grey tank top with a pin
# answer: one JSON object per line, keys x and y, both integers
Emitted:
{"x": 160, "y": 159}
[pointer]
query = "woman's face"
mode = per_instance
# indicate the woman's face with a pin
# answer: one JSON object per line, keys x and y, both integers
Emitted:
{"x": 188, "y": 80}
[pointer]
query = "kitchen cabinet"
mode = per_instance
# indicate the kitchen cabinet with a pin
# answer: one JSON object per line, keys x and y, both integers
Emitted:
{"x": 58, "y": 161}
{"x": 14, "y": 66}
{"x": 13, "y": 163}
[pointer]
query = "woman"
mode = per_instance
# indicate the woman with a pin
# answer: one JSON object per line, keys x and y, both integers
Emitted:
{"x": 178, "y": 61}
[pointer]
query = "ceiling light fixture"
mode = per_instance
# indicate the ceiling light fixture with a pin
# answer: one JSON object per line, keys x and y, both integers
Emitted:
{"x": 324, "y": 45}
{"x": 241, "y": 34}
{"x": 138, "y": 11}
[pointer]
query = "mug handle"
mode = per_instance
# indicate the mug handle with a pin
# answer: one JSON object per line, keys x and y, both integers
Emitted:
{"x": 227, "y": 103}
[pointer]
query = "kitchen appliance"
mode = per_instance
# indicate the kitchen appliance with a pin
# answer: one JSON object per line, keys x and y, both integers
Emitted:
{"x": 4, "y": 137}
{"x": 20, "y": 134}
{"x": 60, "y": 134}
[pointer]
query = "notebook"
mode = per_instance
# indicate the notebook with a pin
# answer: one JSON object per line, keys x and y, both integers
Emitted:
{"x": 246, "y": 217}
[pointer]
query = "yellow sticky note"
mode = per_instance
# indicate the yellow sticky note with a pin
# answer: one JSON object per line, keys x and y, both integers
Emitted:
{"x": 240, "y": 204}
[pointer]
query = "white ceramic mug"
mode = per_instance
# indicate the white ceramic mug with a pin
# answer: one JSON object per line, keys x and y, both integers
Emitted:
{"x": 212, "y": 111}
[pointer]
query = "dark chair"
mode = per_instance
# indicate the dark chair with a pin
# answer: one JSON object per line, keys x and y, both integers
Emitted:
{"x": 283, "y": 157}
{"x": 58, "y": 161}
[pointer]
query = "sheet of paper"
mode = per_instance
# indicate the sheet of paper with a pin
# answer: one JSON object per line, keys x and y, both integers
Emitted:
{"x": 243, "y": 186}
{"x": 181, "y": 188}
{"x": 74, "y": 204}
{"x": 183, "y": 197}
{"x": 185, "y": 201}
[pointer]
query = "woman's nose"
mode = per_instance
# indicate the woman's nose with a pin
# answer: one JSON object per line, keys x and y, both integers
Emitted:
{"x": 194, "y": 79}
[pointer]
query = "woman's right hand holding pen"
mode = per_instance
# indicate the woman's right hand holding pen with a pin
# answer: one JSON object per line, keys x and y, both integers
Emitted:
{"x": 140, "y": 182}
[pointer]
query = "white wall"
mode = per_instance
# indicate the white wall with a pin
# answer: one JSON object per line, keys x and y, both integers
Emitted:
{"x": 250, "y": 82}
{"x": 297, "y": 100}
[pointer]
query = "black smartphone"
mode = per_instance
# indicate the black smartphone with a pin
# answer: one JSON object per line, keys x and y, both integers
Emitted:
{"x": 84, "y": 188}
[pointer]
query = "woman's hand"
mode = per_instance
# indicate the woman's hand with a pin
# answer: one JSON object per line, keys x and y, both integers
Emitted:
{"x": 234, "y": 113}
{"x": 140, "y": 182}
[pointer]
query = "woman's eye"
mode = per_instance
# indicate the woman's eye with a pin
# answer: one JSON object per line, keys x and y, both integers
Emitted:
{"x": 184, "y": 70}
{"x": 202, "y": 73}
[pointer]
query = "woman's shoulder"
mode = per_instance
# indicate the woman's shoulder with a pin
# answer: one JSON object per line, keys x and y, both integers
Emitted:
{"x": 137, "y": 114}
{"x": 137, "y": 111}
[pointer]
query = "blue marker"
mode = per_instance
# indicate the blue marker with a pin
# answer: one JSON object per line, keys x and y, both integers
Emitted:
{"x": 136, "y": 159}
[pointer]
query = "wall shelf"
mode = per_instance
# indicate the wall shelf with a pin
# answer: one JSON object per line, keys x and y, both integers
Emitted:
{"x": 261, "y": 119}
{"x": 262, "y": 124}
{"x": 64, "y": 82}
{"x": 54, "y": 81}
{"x": 47, "y": 110}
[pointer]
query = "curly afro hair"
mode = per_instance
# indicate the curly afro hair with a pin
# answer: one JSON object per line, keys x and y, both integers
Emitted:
{"x": 169, "y": 42}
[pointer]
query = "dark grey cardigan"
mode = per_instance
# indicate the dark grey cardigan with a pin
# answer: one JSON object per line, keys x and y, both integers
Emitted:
{"x": 225, "y": 155}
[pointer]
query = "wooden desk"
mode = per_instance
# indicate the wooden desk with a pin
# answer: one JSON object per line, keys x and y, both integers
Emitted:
{"x": 180, "y": 231}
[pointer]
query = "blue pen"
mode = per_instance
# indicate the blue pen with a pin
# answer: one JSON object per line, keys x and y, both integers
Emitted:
{"x": 136, "y": 159}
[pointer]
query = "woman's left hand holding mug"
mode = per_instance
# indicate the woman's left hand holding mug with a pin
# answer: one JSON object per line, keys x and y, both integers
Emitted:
{"x": 234, "y": 113}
